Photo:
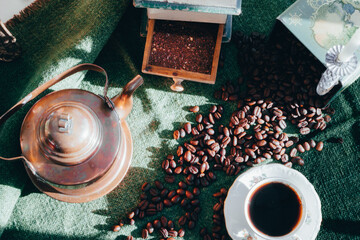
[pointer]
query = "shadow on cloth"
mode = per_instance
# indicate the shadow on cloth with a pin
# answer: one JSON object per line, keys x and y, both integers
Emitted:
{"x": 124, "y": 197}
{"x": 342, "y": 226}
{"x": 20, "y": 234}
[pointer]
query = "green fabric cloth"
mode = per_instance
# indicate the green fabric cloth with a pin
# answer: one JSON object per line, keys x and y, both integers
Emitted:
{"x": 71, "y": 32}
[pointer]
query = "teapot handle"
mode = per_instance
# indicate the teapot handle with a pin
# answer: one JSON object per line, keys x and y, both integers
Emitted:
{"x": 46, "y": 85}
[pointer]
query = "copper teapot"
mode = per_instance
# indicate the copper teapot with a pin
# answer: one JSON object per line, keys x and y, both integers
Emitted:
{"x": 76, "y": 145}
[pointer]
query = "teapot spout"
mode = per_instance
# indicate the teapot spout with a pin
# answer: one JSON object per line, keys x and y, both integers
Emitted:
{"x": 124, "y": 101}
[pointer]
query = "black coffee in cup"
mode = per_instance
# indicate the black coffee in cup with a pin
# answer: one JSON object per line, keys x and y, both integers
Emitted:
{"x": 275, "y": 209}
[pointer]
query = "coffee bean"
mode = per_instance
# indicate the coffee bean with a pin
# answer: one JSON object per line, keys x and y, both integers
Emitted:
{"x": 282, "y": 124}
{"x": 129, "y": 238}
{"x": 160, "y": 206}
{"x": 300, "y": 148}
{"x": 196, "y": 191}
{"x": 151, "y": 211}
{"x": 116, "y": 228}
{"x": 180, "y": 191}
{"x": 288, "y": 164}
{"x": 182, "y": 220}
{"x": 159, "y": 185}
{"x": 164, "y": 233}
{"x": 178, "y": 170}
{"x": 284, "y": 158}
{"x": 172, "y": 233}
{"x": 182, "y": 133}
{"x": 193, "y": 170}
{"x": 175, "y": 199}
{"x": 181, "y": 232}
{"x": 182, "y": 185}
{"x": 180, "y": 151}
{"x": 199, "y": 118}
{"x": 190, "y": 147}
{"x": 289, "y": 143}
{"x": 132, "y": 222}
{"x": 156, "y": 224}
{"x": 131, "y": 215}
{"x": 312, "y": 143}
{"x": 145, "y": 233}
{"x": 293, "y": 152}
{"x": 187, "y": 127}
{"x": 165, "y": 164}
{"x": 319, "y": 146}
{"x": 194, "y": 131}
{"x": 163, "y": 221}
{"x": 304, "y": 130}
{"x": 121, "y": 223}
{"x": 250, "y": 152}
{"x": 167, "y": 203}
{"x": 150, "y": 227}
{"x": 300, "y": 162}
{"x": 327, "y": 118}
{"x": 143, "y": 204}
{"x": 217, "y": 207}
{"x": 261, "y": 143}
{"x": 154, "y": 192}
{"x": 184, "y": 203}
{"x": 176, "y": 134}
{"x": 145, "y": 187}
{"x": 187, "y": 156}
{"x": 306, "y": 146}
{"x": 194, "y": 109}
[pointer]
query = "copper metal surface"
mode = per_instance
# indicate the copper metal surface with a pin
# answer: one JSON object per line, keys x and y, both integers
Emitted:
{"x": 79, "y": 155}
{"x": 103, "y": 185}
{"x": 72, "y": 141}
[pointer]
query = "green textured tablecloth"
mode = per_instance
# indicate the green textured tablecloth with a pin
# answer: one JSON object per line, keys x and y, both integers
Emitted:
{"x": 64, "y": 33}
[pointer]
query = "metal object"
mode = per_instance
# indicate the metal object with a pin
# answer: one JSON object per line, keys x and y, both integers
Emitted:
{"x": 71, "y": 140}
{"x": 336, "y": 70}
{"x": 232, "y": 7}
{"x": 9, "y": 48}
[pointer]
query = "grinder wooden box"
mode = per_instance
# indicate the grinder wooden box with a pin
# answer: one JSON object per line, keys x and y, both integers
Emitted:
{"x": 179, "y": 75}
{"x": 199, "y": 11}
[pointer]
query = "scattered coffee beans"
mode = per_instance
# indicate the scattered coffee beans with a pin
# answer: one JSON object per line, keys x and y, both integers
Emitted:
{"x": 281, "y": 81}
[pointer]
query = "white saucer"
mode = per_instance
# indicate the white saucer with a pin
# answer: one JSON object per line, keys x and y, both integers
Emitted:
{"x": 237, "y": 224}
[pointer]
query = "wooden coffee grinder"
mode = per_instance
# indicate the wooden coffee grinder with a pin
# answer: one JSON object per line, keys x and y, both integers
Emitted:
{"x": 184, "y": 37}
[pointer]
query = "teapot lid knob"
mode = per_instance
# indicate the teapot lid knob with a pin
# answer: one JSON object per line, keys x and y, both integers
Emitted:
{"x": 70, "y": 133}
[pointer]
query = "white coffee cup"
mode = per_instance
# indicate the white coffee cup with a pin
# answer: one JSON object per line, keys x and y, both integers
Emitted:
{"x": 236, "y": 210}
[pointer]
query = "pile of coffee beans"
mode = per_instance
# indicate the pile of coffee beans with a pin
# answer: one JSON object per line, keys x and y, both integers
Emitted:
{"x": 284, "y": 71}
{"x": 275, "y": 97}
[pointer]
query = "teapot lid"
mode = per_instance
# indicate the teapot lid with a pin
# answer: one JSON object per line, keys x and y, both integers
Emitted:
{"x": 70, "y": 137}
